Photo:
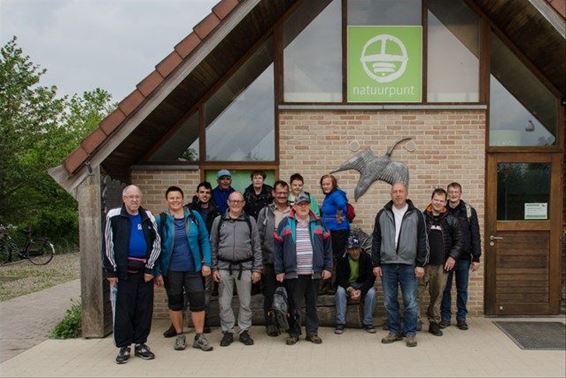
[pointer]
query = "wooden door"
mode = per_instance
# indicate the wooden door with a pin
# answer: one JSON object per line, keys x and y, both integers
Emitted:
{"x": 522, "y": 235}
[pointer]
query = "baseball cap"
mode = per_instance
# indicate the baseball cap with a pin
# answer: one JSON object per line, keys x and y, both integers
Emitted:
{"x": 352, "y": 242}
{"x": 223, "y": 173}
{"x": 302, "y": 197}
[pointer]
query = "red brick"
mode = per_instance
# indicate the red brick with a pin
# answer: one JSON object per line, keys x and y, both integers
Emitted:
{"x": 151, "y": 81}
{"x": 223, "y": 8}
{"x": 75, "y": 160}
{"x": 112, "y": 121}
{"x": 187, "y": 45}
{"x": 206, "y": 26}
{"x": 130, "y": 103}
{"x": 93, "y": 140}
{"x": 167, "y": 65}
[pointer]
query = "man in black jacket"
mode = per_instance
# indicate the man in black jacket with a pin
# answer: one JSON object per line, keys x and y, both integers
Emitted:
{"x": 469, "y": 258}
{"x": 445, "y": 244}
{"x": 257, "y": 194}
{"x": 132, "y": 245}
{"x": 354, "y": 281}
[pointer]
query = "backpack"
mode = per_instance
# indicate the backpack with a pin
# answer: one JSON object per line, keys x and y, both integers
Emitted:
{"x": 280, "y": 309}
{"x": 468, "y": 212}
{"x": 350, "y": 212}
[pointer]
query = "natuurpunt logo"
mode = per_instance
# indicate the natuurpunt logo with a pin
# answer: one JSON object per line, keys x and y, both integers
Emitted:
{"x": 390, "y": 61}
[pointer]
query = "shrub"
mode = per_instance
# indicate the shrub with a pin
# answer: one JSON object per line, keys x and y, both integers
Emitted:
{"x": 70, "y": 326}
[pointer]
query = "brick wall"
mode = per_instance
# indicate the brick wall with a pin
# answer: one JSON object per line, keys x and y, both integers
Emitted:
{"x": 450, "y": 146}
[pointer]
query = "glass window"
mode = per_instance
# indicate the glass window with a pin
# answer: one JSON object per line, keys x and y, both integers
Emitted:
{"x": 523, "y": 191}
{"x": 522, "y": 111}
{"x": 384, "y": 12}
{"x": 240, "y": 115}
{"x": 453, "y": 52}
{"x": 183, "y": 145}
{"x": 312, "y": 61}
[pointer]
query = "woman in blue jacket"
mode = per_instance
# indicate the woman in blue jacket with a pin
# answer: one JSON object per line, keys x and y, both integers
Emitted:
{"x": 334, "y": 216}
{"x": 185, "y": 258}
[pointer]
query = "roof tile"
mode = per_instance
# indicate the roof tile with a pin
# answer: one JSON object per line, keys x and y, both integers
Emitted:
{"x": 151, "y": 81}
{"x": 187, "y": 45}
{"x": 167, "y": 65}
{"x": 75, "y": 160}
{"x": 207, "y": 25}
{"x": 130, "y": 103}
{"x": 112, "y": 121}
{"x": 93, "y": 140}
{"x": 223, "y": 8}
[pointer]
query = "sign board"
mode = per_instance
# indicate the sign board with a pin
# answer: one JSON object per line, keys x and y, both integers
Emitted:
{"x": 536, "y": 210}
{"x": 384, "y": 63}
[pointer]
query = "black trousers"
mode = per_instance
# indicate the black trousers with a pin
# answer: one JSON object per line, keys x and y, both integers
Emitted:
{"x": 268, "y": 286}
{"x": 300, "y": 290}
{"x": 134, "y": 310}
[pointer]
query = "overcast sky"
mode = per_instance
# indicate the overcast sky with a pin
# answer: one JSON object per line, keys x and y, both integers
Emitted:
{"x": 108, "y": 44}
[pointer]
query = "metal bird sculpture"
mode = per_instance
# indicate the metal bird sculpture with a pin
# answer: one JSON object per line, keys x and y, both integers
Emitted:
{"x": 373, "y": 168}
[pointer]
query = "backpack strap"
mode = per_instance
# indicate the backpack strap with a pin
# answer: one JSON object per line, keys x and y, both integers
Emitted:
{"x": 468, "y": 212}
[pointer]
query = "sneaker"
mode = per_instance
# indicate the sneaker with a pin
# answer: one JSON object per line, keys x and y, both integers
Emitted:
{"x": 411, "y": 341}
{"x": 170, "y": 332}
{"x": 180, "y": 342}
{"x": 246, "y": 339}
{"x": 339, "y": 329}
{"x": 142, "y": 351}
{"x": 434, "y": 329}
{"x": 462, "y": 325}
{"x": 272, "y": 330}
{"x": 391, "y": 338}
{"x": 444, "y": 323}
{"x": 123, "y": 355}
{"x": 368, "y": 328}
{"x": 227, "y": 339}
{"x": 200, "y": 342}
{"x": 314, "y": 338}
{"x": 292, "y": 340}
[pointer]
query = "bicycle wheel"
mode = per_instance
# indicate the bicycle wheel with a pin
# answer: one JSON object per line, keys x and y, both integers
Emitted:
{"x": 40, "y": 253}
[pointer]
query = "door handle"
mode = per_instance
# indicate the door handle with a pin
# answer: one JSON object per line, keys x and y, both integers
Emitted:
{"x": 492, "y": 238}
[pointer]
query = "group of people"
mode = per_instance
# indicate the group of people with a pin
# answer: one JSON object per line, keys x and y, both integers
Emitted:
{"x": 280, "y": 236}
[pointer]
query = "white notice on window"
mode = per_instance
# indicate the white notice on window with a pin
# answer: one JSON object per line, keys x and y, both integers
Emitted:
{"x": 536, "y": 210}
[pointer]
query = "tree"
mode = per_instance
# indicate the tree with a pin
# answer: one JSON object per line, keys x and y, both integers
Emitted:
{"x": 37, "y": 131}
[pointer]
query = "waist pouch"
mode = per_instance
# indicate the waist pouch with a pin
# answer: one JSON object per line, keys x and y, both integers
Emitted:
{"x": 135, "y": 264}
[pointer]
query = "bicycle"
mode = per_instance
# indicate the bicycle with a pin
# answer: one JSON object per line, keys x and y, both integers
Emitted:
{"x": 38, "y": 252}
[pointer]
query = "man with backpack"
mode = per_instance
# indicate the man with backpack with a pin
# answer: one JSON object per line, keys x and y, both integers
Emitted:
{"x": 236, "y": 259}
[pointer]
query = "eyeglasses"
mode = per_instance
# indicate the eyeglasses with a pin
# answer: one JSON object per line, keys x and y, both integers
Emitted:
{"x": 236, "y": 201}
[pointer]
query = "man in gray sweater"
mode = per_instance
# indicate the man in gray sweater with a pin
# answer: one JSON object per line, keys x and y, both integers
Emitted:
{"x": 236, "y": 259}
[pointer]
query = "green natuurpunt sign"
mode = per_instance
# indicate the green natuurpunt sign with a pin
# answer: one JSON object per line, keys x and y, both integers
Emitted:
{"x": 384, "y": 63}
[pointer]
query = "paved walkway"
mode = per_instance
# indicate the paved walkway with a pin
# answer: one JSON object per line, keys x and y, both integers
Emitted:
{"x": 27, "y": 320}
{"x": 482, "y": 351}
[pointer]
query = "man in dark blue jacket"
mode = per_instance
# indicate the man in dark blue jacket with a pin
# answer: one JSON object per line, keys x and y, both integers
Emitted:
{"x": 223, "y": 190}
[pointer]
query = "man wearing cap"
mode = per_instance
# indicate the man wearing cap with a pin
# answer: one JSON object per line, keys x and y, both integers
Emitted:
{"x": 222, "y": 191}
{"x": 354, "y": 281}
{"x": 302, "y": 256}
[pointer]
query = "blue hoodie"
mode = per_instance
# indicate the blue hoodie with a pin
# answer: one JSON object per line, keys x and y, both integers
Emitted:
{"x": 334, "y": 201}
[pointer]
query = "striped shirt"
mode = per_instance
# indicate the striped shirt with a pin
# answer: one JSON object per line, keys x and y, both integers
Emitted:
{"x": 304, "y": 249}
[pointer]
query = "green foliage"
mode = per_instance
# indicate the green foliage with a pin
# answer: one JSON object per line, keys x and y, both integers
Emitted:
{"x": 37, "y": 131}
{"x": 70, "y": 326}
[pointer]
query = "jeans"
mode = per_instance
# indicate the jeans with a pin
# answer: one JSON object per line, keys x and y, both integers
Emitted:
{"x": 462, "y": 272}
{"x": 342, "y": 305}
{"x": 394, "y": 275}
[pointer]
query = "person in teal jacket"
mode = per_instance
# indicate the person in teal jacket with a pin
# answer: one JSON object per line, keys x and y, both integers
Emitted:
{"x": 184, "y": 260}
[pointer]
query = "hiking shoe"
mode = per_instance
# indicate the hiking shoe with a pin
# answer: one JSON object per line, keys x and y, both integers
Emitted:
{"x": 180, "y": 342}
{"x": 368, "y": 328}
{"x": 314, "y": 338}
{"x": 391, "y": 338}
{"x": 411, "y": 341}
{"x": 226, "y": 339}
{"x": 462, "y": 325}
{"x": 444, "y": 323}
{"x": 339, "y": 329}
{"x": 200, "y": 342}
{"x": 434, "y": 329}
{"x": 142, "y": 351}
{"x": 292, "y": 340}
{"x": 272, "y": 330}
{"x": 123, "y": 355}
{"x": 246, "y": 339}
{"x": 170, "y": 332}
